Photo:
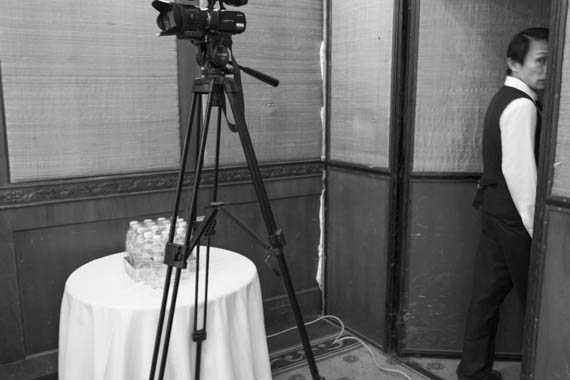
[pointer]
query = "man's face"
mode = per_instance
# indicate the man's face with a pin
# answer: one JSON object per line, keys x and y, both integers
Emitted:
{"x": 533, "y": 70}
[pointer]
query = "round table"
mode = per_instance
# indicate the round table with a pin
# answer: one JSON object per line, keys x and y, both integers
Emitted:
{"x": 108, "y": 323}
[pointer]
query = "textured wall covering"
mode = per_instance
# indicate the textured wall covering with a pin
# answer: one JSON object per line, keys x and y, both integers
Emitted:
{"x": 361, "y": 73}
{"x": 282, "y": 40}
{"x": 88, "y": 89}
{"x": 561, "y": 183}
{"x": 461, "y": 63}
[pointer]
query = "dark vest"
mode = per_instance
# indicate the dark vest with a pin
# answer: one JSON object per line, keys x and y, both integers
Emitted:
{"x": 493, "y": 193}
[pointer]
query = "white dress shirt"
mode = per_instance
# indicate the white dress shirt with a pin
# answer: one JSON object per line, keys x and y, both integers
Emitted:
{"x": 518, "y": 126}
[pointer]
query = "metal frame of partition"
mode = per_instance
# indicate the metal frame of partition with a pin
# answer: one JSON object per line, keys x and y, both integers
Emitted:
{"x": 401, "y": 134}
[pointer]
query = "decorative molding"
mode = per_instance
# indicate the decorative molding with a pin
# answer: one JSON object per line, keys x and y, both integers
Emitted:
{"x": 349, "y": 166}
{"x": 76, "y": 189}
{"x": 558, "y": 202}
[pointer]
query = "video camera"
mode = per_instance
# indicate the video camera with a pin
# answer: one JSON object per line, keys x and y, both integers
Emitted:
{"x": 188, "y": 21}
{"x": 210, "y": 30}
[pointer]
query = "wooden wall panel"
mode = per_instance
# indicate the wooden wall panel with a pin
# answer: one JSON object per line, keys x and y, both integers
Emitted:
{"x": 357, "y": 243}
{"x": 360, "y": 81}
{"x": 552, "y": 360}
{"x": 296, "y": 205}
{"x": 461, "y": 63}
{"x": 11, "y": 328}
{"x": 51, "y": 240}
{"x": 46, "y": 257}
{"x": 442, "y": 237}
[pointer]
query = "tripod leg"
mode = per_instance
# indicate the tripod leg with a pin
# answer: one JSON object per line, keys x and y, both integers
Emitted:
{"x": 235, "y": 97}
{"x": 183, "y": 160}
{"x": 199, "y": 334}
{"x": 193, "y": 206}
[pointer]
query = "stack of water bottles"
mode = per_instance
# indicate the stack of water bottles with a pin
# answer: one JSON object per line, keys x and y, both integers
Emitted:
{"x": 145, "y": 243}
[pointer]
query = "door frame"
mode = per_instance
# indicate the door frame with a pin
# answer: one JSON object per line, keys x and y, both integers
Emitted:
{"x": 406, "y": 22}
{"x": 557, "y": 24}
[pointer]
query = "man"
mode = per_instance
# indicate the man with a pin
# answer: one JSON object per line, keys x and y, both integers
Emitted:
{"x": 507, "y": 196}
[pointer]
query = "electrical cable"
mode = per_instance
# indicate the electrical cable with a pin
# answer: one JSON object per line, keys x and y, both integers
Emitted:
{"x": 339, "y": 339}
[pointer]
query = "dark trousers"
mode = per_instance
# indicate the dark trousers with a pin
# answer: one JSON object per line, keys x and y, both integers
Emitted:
{"x": 501, "y": 263}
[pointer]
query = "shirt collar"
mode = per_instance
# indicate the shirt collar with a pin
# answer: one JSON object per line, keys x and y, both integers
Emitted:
{"x": 520, "y": 85}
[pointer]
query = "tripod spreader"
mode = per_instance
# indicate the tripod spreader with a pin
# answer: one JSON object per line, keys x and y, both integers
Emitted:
{"x": 176, "y": 255}
{"x": 277, "y": 240}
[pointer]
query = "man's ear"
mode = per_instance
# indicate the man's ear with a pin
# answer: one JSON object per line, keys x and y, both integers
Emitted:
{"x": 512, "y": 65}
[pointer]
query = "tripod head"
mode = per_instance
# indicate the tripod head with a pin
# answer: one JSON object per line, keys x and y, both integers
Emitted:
{"x": 215, "y": 58}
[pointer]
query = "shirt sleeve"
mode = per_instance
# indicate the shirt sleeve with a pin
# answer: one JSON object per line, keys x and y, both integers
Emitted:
{"x": 518, "y": 126}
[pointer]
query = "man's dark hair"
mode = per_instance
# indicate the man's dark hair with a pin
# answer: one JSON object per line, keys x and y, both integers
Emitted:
{"x": 519, "y": 45}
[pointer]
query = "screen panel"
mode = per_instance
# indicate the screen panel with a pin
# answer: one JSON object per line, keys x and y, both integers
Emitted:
{"x": 360, "y": 81}
{"x": 88, "y": 89}
{"x": 283, "y": 40}
{"x": 561, "y": 181}
{"x": 461, "y": 64}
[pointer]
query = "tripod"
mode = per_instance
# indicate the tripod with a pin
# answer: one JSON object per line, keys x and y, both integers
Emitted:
{"x": 217, "y": 87}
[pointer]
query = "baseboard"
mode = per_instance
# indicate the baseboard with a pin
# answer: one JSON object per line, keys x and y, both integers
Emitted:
{"x": 31, "y": 367}
{"x": 277, "y": 311}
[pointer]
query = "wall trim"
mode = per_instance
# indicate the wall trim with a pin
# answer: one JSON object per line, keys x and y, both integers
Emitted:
{"x": 342, "y": 165}
{"x": 32, "y": 366}
{"x": 416, "y": 177}
{"x": 97, "y": 187}
{"x": 558, "y": 202}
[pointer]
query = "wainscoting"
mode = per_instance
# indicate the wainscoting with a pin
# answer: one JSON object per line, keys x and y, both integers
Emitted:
{"x": 357, "y": 245}
{"x": 441, "y": 238}
{"x": 49, "y": 230}
{"x": 551, "y": 352}
{"x": 431, "y": 274}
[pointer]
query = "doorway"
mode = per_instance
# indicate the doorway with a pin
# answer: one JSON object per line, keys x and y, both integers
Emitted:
{"x": 455, "y": 59}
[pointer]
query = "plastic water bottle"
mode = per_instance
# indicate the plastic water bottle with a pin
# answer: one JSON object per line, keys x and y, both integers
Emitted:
{"x": 157, "y": 270}
{"x": 179, "y": 235}
{"x": 145, "y": 253}
{"x": 129, "y": 237}
{"x": 163, "y": 224}
{"x": 135, "y": 252}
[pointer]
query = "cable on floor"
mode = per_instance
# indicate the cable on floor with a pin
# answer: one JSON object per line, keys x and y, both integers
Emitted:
{"x": 339, "y": 339}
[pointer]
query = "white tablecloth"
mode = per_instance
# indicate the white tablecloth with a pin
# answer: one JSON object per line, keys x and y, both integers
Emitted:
{"x": 108, "y": 324}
